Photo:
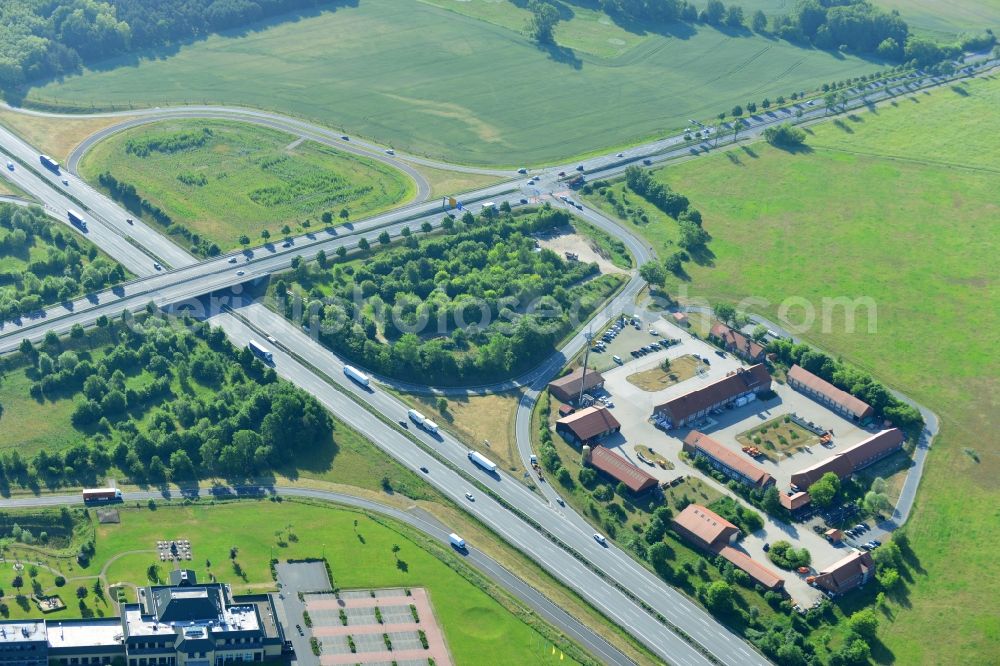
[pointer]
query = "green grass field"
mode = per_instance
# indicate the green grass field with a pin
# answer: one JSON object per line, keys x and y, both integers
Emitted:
{"x": 879, "y": 207}
{"x": 358, "y": 548}
{"x": 245, "y": 178}
{"x": 945, "y": 19}
{"x": 432, "y": 81}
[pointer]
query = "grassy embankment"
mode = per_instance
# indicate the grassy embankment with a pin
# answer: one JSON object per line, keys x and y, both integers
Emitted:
{"x": 899, "y": 205}
{"x": 243, "y": 179}
{"x": 506, "y": 101}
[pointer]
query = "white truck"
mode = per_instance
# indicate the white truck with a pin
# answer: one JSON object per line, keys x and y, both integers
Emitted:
{"x": 483, "y": 461}
{"x": 261, "y": 351}
{"x": 430, "y": 426}
{"x": 356, "y": 375}
{"x": 416, "y": 417}
{"x": 456, "y": 541}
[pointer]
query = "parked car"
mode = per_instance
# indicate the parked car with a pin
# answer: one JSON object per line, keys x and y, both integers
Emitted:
{"x": 767, "y": 547}
{"x": 617, "y": 359}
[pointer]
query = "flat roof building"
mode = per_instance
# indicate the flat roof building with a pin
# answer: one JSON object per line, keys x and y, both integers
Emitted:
{"x": 848, "y": 573}
{"x": 568, "y": 387}
{"x": 687, "y": 408}
{"x": 635, "y": 479}
{"x": 587, "y": 426}
{"x": 828, "y": 395}
{"x": 182, "y": 624}
{"x": 728, "y": 462}
{"x": 852, "y": 459}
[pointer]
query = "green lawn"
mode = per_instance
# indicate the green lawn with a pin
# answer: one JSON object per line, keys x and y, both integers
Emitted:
{"x": 244, "y": 178}
{"x": 358, "y": 548}
{"x": 433, "y": 81}
{"x": 878, "y": 207}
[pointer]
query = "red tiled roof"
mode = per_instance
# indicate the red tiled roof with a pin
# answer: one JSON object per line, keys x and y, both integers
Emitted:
{"x": 843, "y": 571}
{"x": 794, "y": 500}
{"x": 699, "y": 441}
{"x": 568, "y": 386}
{"x": 741, "y": 343}
{"x": 705, "y": 525}
{"x": 609, "y": 462}
{"x": 850, "y": 460}
{"x": 859, "y": 408}
{"x": 590, "y": 422}
{"x": 758, "y": 572}
{"x": 754, "y": 378}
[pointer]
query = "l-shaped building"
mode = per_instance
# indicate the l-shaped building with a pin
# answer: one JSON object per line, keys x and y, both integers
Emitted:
{"x": 185, "y": 623}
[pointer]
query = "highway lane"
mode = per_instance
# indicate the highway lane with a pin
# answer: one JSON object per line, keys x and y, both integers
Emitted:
{"x": 625, "y": 568}
{"x": 395, "y": 441}
{"x": 296, "y": 128}
{"x": 570, "y": 626}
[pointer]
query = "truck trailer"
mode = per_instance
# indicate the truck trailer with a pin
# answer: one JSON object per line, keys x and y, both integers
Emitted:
{"x": 102, "y": 495}
{"x": 76, "y": 219}
{"x": 482, "y": 461}
{"x": 357, "y": 375}
{"x": 430, "y": 426}
{"x": 456, "y": 541}
{"x": 49, "y": 163}
{"x": 261, "y": 351}
{"x": 416, "y": 417}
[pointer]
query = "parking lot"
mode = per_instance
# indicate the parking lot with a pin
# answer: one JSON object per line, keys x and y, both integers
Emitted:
{"x": 634, "y": 406}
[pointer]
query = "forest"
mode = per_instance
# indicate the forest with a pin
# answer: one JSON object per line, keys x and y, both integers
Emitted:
{"x": 47, "y": 38}
{"x": 161, "y": 402}
{"x": 43, "y": 263}
{"x": 475, "y": 303}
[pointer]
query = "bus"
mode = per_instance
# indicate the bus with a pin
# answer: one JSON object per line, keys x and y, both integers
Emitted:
{"x": 261, "y": 351}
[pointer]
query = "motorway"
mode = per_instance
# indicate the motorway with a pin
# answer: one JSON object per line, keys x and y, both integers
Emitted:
{"x": 298, "y": 358}
{"x": 420, "y": 520}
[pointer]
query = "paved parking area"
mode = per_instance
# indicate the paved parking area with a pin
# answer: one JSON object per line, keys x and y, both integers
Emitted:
{"x": 364, "y": 618}
{"x": 633, "y": 408}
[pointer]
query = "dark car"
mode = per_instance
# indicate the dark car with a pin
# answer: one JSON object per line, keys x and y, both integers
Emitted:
{"x": 425, "y": 470}
{"x": 767, "y": 547}
{"x": 720, "y": 353}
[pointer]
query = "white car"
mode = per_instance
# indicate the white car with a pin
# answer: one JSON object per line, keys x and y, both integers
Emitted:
{"x": 599, "y": 538}
{"x": 620, "y": 155}
{"x": 469, "y": 497}
{"x": 241, "y": 272}
{"x": 390, "y": 151}
{"x": 617, "y": 359}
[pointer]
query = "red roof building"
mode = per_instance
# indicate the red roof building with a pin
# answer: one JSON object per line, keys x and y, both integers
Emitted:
{"x": 757, "y": 571}
{"x": 705, "y": 528}
{"x": 692, "y": 406}
{"x": 737, "y": 343}
{"x": 730, "y": 463}
{"x": 852, "y": 459}
{"x": 615, "y": 466}
{"x": 588, "y": 425}
{"x": 829, "y": 395}
{"x": 793, "y": 501}
{"x": 846, "y": 574}
{"x": 567, "y": 388}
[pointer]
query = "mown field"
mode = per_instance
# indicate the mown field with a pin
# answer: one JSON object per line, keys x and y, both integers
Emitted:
{"x": 358, "y": 548}
{"x": 946, "y": 19}
{"x": 441, "y": 83}
{"x": 899, "y": 205}
{"x": 243, "y": 179}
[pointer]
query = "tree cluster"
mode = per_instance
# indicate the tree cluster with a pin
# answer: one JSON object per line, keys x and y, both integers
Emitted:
{"x": 165, "y": 427}
{"x": 127, "y": 195}
{"x": 786, "y": 557}
{"x": 852, "y": 380}
{"x": 55, "y": 264}
{"x": 785, "y": 135}
{"x": 474, "y": 304}
{"x": 46, "y": 38}
{"x": 167, "y": 142}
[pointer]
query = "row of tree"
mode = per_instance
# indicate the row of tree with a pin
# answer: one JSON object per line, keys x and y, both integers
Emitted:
{"x": 169, "y": 427}
{"x": 46, "y": 38}
{"x": 52, "y": 264}
{"x": 856, "y": 382}
{"x": 127, "y": 195}
{"x": 477, "y": 303}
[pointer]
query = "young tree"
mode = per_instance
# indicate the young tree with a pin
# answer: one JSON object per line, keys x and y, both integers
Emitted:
{"x": 825, "y": 490}
{"x": 364, "y": 245}
{"x": 864, "y": 623}
{"x": 265, "y": 234}
{"x": 244, "y": 240}
{"x": 326, "y": 217}
{"x": 758, "y": 22}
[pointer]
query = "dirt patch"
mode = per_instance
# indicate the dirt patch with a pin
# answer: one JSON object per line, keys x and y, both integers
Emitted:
{"x": 565, "y": 240}
{"x": 657, "y": 379}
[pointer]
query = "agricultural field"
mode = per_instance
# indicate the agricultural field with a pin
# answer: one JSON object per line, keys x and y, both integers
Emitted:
{"x": 468, "y": 90}
{"x": 947, "y": 19}
{"x": 359, "y": 549}
{"x": 223, "y": 180}
{"x": 897, "y": 205}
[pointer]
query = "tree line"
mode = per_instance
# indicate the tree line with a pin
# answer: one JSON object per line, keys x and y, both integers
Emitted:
{"x": 856, "y": 382}
{"x": 856, "y": 26}
{"x": 143, "y": 408}
{"x": 475, "y": 303}
{"x": 46, "y": 38}
{"x": 127, "y": 195}
{"x": 53, "y": 264}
